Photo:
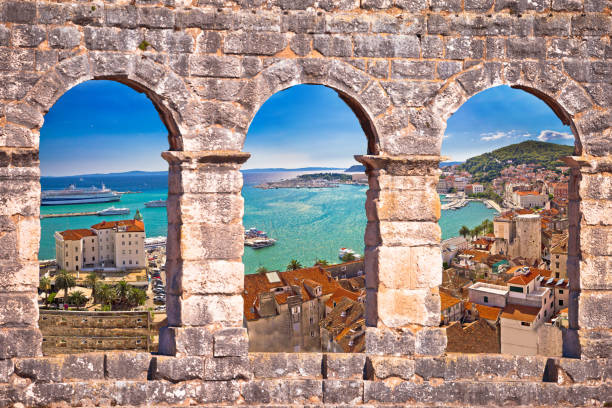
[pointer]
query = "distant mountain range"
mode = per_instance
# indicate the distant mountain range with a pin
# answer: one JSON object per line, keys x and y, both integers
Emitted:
{"x": 274, "y": 169}
{"x": 488, "y": 166}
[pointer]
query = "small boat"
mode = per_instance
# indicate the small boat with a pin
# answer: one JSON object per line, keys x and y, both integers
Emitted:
{"x": 345, "y": 251}
{"x": 114, "y": 211}
{"x": 258, "y": 243}
{"x": 155, "y": 203}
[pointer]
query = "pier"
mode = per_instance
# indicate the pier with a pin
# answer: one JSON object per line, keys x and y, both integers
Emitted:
{"x": 453, "y": 205}
{"x": 76, "y": 214}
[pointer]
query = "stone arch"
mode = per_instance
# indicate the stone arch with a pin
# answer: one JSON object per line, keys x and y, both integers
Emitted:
{"x": 566, "y": 98}
{"x": 364, "y": 96}
{"x": 165, "y": 89}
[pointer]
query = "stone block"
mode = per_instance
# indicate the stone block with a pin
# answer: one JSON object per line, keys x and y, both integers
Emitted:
{"x": 205, "y": 208}
{"x": 389, "y": 342}
{"x": 7, "y": 367}
{"x": 388, "y": 205}
{"x": 286, "y": 365}
{"x": 18, "y": 276}
{"x": 398, "y": 233}
{"x": 282, "y": 391}
{"x": 215, "y": 392}
{"x": 64, "y": 37}
{"x": 86, "y": 366}
{"x": 126, "y": 365}
{"x": 594, "y": 308}
{"x": 177, "y": 368}
{"x": 201, "y": 310}
{"x": 205, "y": 180}
{"x": 595, "y": 272}
{"x": 333, "y": 45}
{"x": 301, "y": 44}
{"x": 185, "y": 341}
{"x": 375, "y": 99}
{"x": 205, "y": 277}
{"x": 344, "y": 366}
{"x": 254, "y": 43}
{"x": 18, "y": 12}
{"x": 596, "y": 212}
{"x": 412, "y": 69}
{"x": 530, "y": 367}
{"x": 18, "y": 309}
{"x": 411, "y": 94}
{"x": 112, "y": 39}
{"x": 386, "y": 367}
{"x": 227, "y": 368}
{"x": 24, "y": 114}
{"x": 582, "y": 371}
{"x": 595, "y": 343}
{"x": 428, "y": 367}
{"x": 596, "y": 240}
{"x": 121, "y": 16}
{"x": 343, "y": 392}
{"x": 28, "y": 36}
{"x": 430, "y": 341}
{"x": 41, "y": 369}
{"x": 402, "y": 307}
{"x": 231, "y": 342}
{"x": 211, "y": 241}
{"x": 406, "y": 267}
{"x": 395, "y": 45}
{"x": 20, "y": 342}
{"x": 464, "y": 48}
{"x": 591, "y": 24}
{"x": 155, "y": 17}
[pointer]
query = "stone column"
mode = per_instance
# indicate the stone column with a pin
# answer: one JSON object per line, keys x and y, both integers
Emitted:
{"x": 204, "y": 253}
{"x": 403, "y": 261}
{"x": 19, "y": 237}
{"x": 590, "y": 257}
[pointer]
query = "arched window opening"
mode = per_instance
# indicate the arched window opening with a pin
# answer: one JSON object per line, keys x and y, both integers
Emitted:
{"x": 304, "y": 219}
{"x": 505, "y": 225}
{"x": 103, "y": 221}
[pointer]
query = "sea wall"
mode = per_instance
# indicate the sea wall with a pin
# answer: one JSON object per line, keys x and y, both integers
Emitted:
{"x": 403, "y": 66}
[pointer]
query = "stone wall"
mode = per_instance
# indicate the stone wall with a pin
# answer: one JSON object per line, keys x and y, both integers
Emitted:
{"x": 403, "y": 66}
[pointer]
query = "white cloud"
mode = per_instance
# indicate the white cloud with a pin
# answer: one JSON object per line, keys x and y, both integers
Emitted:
{"x": 548, "y": 135}
{"x": 491, "y": 136}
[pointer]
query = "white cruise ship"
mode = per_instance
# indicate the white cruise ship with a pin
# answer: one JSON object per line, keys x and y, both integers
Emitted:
{"x": 113, "y": 211}
{"x": 74, "y": 195}
{"x": 155, "y": 203}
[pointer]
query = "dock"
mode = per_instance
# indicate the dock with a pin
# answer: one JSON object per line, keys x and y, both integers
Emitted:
{"x": 453, "y": 205}
{"x": 77, "y": 214}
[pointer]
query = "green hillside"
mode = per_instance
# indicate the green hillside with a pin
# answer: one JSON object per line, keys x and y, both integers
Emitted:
{"x": 488, "y": 166}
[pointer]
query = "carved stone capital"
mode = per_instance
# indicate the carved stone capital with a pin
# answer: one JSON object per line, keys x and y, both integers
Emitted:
{"x": 589, "y": 164}
{"x": 228, "y": 158}
{"x": 404, "y": 165}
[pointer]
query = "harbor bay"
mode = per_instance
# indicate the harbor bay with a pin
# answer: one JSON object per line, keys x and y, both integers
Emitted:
{"x": 308, "y": 224}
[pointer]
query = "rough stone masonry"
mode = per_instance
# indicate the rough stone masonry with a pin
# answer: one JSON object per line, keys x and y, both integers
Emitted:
{"x": 403, "y": 66}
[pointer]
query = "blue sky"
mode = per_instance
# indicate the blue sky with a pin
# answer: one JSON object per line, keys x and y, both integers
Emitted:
{"x": 104, "y": 126}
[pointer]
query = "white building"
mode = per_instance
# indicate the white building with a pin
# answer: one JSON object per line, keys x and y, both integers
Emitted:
{"x": 529, "y": 199}
{"x": 116, "y": 245}
{"x": 477, "y": 188}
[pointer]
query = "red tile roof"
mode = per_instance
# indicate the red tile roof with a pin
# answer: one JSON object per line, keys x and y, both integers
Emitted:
{"x": 447, "y": 301}
{"x": 520, "y": 312}
{"x": 524, "y": 279}
{"x": 485, "y": 312}
{"x": 76, "y": 234}
{"x": 131, "y": 225}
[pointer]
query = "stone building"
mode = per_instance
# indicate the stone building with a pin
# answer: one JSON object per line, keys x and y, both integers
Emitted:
{"x": 404, "y": 67}
{"x": 112, "y": 245}
{"x": 518, "y": 234}
{"x": 529, "y": 199}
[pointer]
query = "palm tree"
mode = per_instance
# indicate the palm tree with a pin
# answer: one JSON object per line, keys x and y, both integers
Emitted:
{"x": 294, "y": 265}
{"x": 64, "y": 280}
{"x": 321, "y": 262}
{"x": 77, "y": 298}
{"x": 123, "y": 289}
{"x": 91, "y": 280}
{"x": 348, "y": 257}
{"x": 136, "y": 297}
{"x": 262, "y": 269}
{"x": 44, "y": 284}
{"x": 464, "y": 231}
{"x": 108, "y": 294}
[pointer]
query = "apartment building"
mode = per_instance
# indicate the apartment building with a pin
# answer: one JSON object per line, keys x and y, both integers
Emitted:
{"x": 529, "y": 199}
{"x": 111, "y": 245}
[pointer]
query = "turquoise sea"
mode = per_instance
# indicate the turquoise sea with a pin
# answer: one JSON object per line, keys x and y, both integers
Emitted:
{"x": 308, "y": 224}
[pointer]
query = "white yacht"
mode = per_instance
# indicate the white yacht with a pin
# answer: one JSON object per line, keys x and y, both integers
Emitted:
{"x": 113, "y": 211}
{"x": 155, "y": 203}
{"x": 74, "y": 195}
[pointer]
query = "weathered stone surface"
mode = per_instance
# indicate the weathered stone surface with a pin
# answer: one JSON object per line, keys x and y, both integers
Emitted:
{"x": 7, "y": 368}
{"x": 401, "y": 267}
{"x": 430, "y": 341}
{"x": 390, "y": 342}
{"x": 20, "y": 342}
{"x": 282, "y": 391}
{"x": 41, "y": 369}
{"x": 177, "y": 368}
{"x": 87, "y": 366}
{"x": 402, "y": 307}
{"x": 342, "y": 391}
{"x": 181, "y": 341}
{"x": 227, "y": 368}
{"x": 344, "y": 366}
{"x": 64, "y": 37}
{"x": 385, "y": 367}
{"x": 127, "y": 365}
{"x": 286, "y": 365}
{"x": 233, "y": 341}
{"x": 201, "y": 310}
{"x": 17, "y": 309}
{"x": 593, "y": 309}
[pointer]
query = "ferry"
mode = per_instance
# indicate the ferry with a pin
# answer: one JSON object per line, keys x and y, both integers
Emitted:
{"x": 255, "y": 233}
{"x": 155, "y": 203}
{"x": 346, "y": 251}
{"x": 74, "y": 195}
{"x": 113, "y": 211}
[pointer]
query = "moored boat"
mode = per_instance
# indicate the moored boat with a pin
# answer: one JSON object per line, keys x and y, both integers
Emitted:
{"x": 155, "y": 203}
{"x": 113, "y": 211}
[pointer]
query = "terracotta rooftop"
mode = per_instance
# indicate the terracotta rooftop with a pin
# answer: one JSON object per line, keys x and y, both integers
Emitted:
{"x": 526, "y": 193}
{"x": 524, "y": 279}
{"x": 339, "y": 294}
{"x": 559, "y": 247}
{"x": 479, "y": 256}
{"x": 254, "y": 284}
{"x": 520, "y": 312}
{"x": 76, "y": 234}
{"x": 559, "y": 283}
{"x": 485, "y": 312}
{"x": 315, "y": 274}
{"x": 447, "y": 301}
{"x": 131, "y": 225}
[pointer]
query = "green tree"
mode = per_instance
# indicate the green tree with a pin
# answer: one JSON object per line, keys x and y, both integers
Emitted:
{"x": 77, "y": 298}
{"x": 122, "y": 289}
{"x": 294, "y": 265}
{"x": 91, "y": 280}
{"x": 136, "y": 297}
{"x": 108, "y": 295}
{"x": 262, "y": 270}
{"x": 464, "y": 231}
{"x": 64, "y": 280}
{"x": 348, "y": 257}
{"x": 321, "y": 262}
{"x": 44, "y": 284}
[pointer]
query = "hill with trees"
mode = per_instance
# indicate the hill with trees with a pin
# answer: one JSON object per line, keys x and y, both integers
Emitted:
{"x": 488, "y": 166}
